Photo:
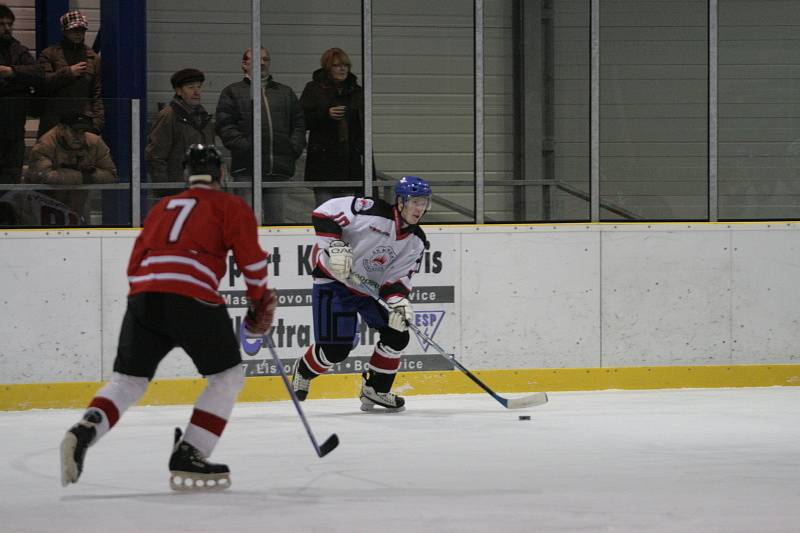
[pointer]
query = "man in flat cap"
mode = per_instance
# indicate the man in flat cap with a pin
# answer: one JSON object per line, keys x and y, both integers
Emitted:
{"x": 72, "y": 72}
{"x": 180, "y": 124}
{"x": 69, "y": 154}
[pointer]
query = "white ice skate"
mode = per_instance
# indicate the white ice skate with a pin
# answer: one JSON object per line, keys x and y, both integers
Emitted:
{"x": 387, "y": 401}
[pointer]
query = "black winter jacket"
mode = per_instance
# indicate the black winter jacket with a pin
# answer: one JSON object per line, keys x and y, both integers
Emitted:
{"x": 332, "y": 155}
{"x": 283, "y": 129}
{"x": 174, "y": 131}
{"x": 16, "y": 91}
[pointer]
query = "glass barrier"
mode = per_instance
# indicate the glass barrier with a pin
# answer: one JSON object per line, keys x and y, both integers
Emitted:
{"x": 423, "y": 120}
{"x": 197, "y": 97}
{"x": 537, "y": 87}
{"x": 66, "y": 162}
{"x": 654, "y": 110}
{"x": 296, "y": 175}
{"x": 316, "y": 54}
{"x": 759, "y": 123}
{"x": 536, "y": 111}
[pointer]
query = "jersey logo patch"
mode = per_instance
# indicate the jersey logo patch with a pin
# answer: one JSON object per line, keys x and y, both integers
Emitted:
{"x": 363, "y": 204}
{"x": 380, "y": 258}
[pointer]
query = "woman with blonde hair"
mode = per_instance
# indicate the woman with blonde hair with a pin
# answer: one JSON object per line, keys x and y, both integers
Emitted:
{"x": 333, "y": 104}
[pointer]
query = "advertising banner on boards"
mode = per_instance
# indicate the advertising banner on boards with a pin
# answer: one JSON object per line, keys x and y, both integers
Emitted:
{"x": 433, "y": 300}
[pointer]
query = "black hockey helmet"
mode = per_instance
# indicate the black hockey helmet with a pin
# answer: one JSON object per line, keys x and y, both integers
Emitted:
{"x": 202, "y": 163}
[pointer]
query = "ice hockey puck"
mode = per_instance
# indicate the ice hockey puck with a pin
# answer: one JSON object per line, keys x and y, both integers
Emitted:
{"x": 524, "y": 417}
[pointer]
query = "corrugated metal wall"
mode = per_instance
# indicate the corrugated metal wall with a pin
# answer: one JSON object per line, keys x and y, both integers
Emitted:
{"x": 25, "y": 23}
{"x": 759, "y": 108}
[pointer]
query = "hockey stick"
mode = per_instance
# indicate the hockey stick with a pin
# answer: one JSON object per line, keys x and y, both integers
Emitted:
{"x": 332, "y": 441}
{"x": 532, "y": 400}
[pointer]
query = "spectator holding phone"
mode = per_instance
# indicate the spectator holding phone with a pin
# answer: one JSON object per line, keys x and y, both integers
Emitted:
{"x": 333, "y": 104}
{"x": 72, "y": 77}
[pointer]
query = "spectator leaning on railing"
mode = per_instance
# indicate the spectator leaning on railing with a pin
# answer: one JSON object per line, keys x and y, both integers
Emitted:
{"x": 19, "y": 76}
{"x": 72, "y": 72}
{"x": 69, "y": 154}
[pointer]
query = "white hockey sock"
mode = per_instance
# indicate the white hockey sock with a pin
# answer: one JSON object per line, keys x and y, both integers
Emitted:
{"x": 213, "y": 408}
{"x": 114, "y": 398}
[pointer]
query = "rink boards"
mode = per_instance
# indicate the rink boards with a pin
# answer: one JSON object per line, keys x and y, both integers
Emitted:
{"x": 534, "y": 307}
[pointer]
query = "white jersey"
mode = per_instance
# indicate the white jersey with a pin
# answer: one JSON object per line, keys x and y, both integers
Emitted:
{"x": 385, "y": 255}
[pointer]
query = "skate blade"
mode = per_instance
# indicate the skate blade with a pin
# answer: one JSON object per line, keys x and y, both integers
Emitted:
{"x": 69, "y": 469}
{"x": 368, "y": 406}
{"x": 191, "y": 482}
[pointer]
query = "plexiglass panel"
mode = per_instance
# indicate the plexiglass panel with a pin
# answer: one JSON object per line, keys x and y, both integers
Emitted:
{"x": 423, "y": 65}
{"x": 537, "y": 110}
{"x": 654, "y": 110}
{"x": 316, "y": 52}
{"x": 759, "y": 113}
{"x": 66, "y": 162}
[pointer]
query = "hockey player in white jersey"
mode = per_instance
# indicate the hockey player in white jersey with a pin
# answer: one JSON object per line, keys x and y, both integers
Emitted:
{"x": 365, "y": 241}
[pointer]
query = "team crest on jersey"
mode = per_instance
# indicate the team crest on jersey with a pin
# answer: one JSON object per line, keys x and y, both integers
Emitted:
{"x": 379, "y": 259}
{"x": 363, "y": 204}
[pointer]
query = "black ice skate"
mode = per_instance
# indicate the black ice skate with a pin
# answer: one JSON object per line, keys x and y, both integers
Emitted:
{"x": 74, "y": 445}
{"x": 370, "y": 398}
{"x": 300, "y": 385}
{"x": 190, "y": 471}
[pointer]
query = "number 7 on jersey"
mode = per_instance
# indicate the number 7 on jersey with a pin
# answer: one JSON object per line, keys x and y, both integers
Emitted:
{"x": 185, "y": 205}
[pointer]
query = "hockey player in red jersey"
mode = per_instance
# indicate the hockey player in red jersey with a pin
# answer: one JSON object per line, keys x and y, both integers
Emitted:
{"x": 365, "y": 242}
{"x": 174, "y": 271}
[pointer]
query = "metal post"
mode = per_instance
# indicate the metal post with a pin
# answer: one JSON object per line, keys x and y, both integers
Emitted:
{"x": 594, "y": 121}
{"x": 479, "y": 115}
{"x": 366, "y": 30}
{"x": 136, "y": 166}
{"x": 255, "y": 87}
{"x": 125, "y": 78}
{"x": 713, "y": 131}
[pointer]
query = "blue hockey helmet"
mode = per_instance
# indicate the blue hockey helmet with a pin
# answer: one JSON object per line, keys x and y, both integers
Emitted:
{"x": 409, "y": 186}
{"x": 414, "y": 193}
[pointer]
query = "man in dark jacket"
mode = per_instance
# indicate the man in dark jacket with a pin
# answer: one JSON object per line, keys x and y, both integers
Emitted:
{"x": 182, "y": 123}
{"x": 19, "y": 76}
{"x": 73, "y": 81}
{"x": 283, "y": 132}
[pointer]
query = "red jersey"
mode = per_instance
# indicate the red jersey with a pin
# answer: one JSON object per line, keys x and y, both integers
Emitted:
{"x": 184, "y": 244}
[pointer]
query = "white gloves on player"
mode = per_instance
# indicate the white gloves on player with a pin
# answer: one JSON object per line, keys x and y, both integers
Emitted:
{"x": 340, "y": 260}
{"x": 401, "y": 313}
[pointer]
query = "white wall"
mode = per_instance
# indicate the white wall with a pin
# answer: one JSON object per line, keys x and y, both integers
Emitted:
{"x": 525, "y": 297}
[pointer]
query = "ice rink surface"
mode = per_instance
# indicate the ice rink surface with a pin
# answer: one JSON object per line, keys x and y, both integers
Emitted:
{"x": 721, "y": 460}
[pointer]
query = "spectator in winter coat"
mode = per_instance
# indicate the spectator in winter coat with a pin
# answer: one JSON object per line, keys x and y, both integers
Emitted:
{"x": 69, "y": 154}
{"x": 333, "y": 104}
{"x": 283, "y": 132}
{"x": 19, "y": 76}
{"x": 182, "y": 123}
{"x": 72, "y": 72}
